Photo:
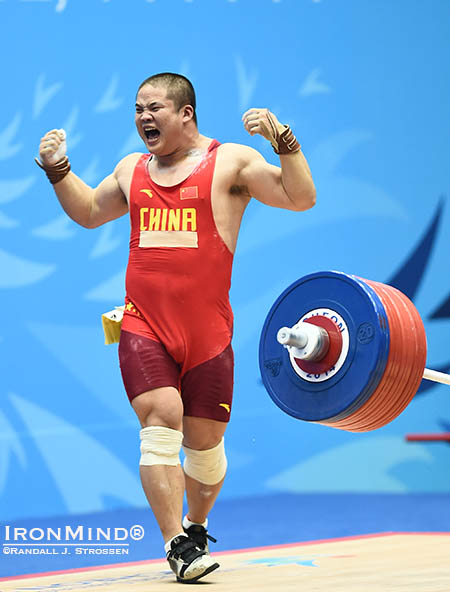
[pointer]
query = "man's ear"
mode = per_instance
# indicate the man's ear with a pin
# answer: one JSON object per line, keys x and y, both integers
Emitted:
{"x": 188, "y": 113}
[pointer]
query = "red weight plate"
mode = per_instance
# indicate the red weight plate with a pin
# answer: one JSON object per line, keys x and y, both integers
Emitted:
{"x": 404, "y": 368}
{"x": 334, "y": 348}
{"x": 395, "y": 375}
{"x": 415, "y": 350}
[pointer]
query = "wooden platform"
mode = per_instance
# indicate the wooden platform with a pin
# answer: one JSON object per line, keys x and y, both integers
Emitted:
{"x": 378, "y": 563}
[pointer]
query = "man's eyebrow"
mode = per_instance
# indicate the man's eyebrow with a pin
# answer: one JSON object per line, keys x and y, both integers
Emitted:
{"x": 149, "y": 105}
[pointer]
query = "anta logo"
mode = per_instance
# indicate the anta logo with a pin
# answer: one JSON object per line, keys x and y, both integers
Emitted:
{"x": 147, "y": 192}
{"x": 164, "y": 219}
{"x": 225, "y": 406}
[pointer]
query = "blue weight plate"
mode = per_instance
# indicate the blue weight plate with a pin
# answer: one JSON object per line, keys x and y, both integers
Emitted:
{"x": 366, "y": 320}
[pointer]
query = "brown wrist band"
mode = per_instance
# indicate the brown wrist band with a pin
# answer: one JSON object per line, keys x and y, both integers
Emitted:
{"x": 286, "y": 141}
{"x": 55, "y": 172}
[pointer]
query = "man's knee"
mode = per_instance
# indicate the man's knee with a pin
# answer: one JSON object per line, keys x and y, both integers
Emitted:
{"x": 160, "y": 446}
{"x": 206, "y": 466}
{"x": 160, "y": 407}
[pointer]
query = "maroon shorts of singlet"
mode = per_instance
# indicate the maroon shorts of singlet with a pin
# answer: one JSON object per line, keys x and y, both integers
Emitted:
{"x": 206, "y": 390}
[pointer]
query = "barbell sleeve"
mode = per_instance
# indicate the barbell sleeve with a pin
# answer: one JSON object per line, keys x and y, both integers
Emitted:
{"x": 306, "y": 342}
{"x": 292, "y": 336}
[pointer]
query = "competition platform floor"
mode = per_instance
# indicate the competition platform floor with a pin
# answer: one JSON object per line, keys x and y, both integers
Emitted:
{"x": 394, "y": 562}
{"x": 282, "y": 542}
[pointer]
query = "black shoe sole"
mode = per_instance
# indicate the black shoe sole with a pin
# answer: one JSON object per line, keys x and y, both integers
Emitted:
{"x": 205, "y": 573}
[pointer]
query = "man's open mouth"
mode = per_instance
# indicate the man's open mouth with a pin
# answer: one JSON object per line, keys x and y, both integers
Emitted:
{"x": 151, "y": 133}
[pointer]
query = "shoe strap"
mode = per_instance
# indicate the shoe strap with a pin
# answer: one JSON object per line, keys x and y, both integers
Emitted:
{"x": 185, "y": 545}
{"x": 201, "y": 530}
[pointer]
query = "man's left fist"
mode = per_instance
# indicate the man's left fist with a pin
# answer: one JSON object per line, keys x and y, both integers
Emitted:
{"x": 263, "y": 122}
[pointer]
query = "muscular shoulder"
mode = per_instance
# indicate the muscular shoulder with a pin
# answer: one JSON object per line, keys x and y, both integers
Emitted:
{"x": 123, "y": 172}
{"x": 127, "y": 163}
{"x": 239, "y": 154}
{"x": 233, "y": 159}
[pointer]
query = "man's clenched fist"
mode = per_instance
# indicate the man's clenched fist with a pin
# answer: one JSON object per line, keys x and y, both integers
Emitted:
{"x": 263, "y": 122}
{"x": 52, "y": 148}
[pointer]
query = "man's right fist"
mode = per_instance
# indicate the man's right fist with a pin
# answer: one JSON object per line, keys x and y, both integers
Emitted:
{"x": 52, "y": 148}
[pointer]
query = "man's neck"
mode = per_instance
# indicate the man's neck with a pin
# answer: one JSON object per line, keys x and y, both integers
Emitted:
{"x": 192, "y": 146}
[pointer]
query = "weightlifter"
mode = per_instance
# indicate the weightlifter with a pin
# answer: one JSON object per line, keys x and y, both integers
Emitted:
{"x": 186, "y": 197}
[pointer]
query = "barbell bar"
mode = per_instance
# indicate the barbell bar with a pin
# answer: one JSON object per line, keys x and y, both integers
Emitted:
{"x": 436, "y": 376}
{"x": 345, "y": 352}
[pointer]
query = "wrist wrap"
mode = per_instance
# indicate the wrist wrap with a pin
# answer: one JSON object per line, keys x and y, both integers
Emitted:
{"x": 55, "y": 172}
{"x": 287, "y": 142}
{"x": 283, "y": 142}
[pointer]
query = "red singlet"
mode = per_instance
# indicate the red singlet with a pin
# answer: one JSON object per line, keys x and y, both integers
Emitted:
{"x": 179, "y": 269}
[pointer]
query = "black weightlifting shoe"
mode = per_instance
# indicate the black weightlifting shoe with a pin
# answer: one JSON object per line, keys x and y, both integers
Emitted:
{"x": 199, "y": 534}
{"x": 187, "y": 561}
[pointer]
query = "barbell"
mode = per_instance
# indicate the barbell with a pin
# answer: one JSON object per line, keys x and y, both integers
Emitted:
{"x": 342, "y": 351}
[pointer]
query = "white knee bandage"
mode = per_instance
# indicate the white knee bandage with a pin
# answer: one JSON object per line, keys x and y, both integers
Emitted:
{"x": 160, "y": 446}
{"x": 206, "y": 466}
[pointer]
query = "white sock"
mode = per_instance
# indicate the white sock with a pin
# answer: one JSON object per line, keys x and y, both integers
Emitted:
{"x": 167, "y": 546}
{"x": 187, "y": 523}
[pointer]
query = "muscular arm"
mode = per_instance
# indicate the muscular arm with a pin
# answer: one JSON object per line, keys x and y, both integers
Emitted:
{"x": 290, "y": 186}
{"x": 91, "y": 207}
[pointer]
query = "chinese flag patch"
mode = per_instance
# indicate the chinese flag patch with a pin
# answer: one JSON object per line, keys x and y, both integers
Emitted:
{"x": 189, "y": 192}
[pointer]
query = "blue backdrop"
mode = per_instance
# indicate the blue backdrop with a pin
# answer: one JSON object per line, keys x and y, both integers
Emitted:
{"x": 366, "y": 87}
